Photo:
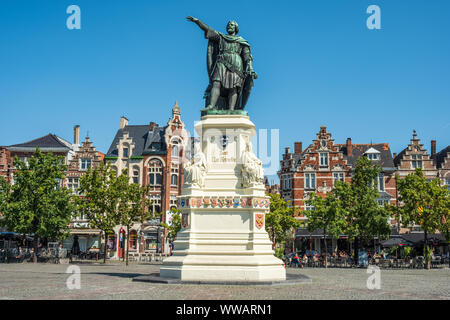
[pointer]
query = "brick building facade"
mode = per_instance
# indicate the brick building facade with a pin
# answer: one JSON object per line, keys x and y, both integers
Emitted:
{"x": 317, "y": 167}
{"x": 6, "y": 163}
{"x": 153, "y": 156}
{"x": 442, "y": 161}
{"x": 415, "y": 156}
{"x": 84, "y": 158}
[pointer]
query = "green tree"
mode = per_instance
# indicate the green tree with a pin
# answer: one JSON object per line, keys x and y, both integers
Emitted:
{"x": 133, "y": 204}
{"x": 423, "y": 202}
{"x": 365, "y": 218}
{"x": 100, "y": 194}
{"x": 328, "y": 215}
{"x": 36, "y": 204}
{"x": 280, "y": 220}
{"x": 175, "y": 225}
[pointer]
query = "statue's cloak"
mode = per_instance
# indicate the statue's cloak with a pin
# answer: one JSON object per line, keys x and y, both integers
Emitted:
{"x": 213, "y": 52}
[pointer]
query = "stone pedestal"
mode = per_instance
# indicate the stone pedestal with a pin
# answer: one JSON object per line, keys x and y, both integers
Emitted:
{"x": 223, "y": 237}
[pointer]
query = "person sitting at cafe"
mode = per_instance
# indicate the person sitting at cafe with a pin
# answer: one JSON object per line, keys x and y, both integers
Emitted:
{"x": 295, "y": 260}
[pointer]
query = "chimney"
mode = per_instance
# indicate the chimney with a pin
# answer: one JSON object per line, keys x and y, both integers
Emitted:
{"x": 76, "y": 135}
{"x": 433, "y": 147}
{"x": 153, "y": 125}
{"x": 286, "y": 150}
{"x": 349, "y": 147}
{"x": 395, "y": 155}
{"x": 297, "y": 147}
{"x": 123, "y": 122}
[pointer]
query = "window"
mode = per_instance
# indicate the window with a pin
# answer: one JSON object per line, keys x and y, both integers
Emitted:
{"x": 373, "y": 156}
{"x": 338, "y": 176}
{"x": 136, "y": 175}
{"x": 155, "y": 173}
{"x": 173, "y": 201}
{"x": 324, "y": 143}
{"x": 310, "y": 180}
{"x": 155, "y": 207}
{"x": 382, "y": 202}
{"x": 324, "y": 159}
{"x": 24, "y": 159}
{"x": 175, "y": 153}
{"x": 133, "y": 240}
{"x": 86, "y": 164}
{"x": 416, "y": 161}
{"x": 309, "y": 208}
{"x": 447, "y": 182}
{"x": 73, "y": 184}
{"x": 125, "y": 152}
{"x": 381, "y": 182}
{"x": 174, "y": 180}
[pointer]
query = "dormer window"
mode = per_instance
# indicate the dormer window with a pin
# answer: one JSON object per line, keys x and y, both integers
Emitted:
{"x": 372, "y": 154}
{"x": 324, "y": 143}
{"x": 125, "y": 152}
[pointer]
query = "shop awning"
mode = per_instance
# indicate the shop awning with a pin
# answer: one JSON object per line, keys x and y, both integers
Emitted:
{"x": 85, "y": 232}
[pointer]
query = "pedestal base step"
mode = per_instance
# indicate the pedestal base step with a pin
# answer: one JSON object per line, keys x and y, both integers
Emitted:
{"x": 290, "y": 280}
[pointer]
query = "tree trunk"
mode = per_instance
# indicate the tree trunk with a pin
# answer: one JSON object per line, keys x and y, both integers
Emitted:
{"x": 326, "y": 249}
{"x": 128, "y": 243}
{"x": 105, "y": 248}
{"x": 35, "y": 246}
{"x": 425, "y": 249}
{"x": 356, "y": 251}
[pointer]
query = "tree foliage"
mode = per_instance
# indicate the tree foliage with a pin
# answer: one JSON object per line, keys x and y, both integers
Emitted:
{"x": 100, "y": 193}
{"x": 366, "y": 218}
{"x": 328, "y": 215}
{"x": 36, "y": 204}
{"x": 280, "y": 220}
{"x": 423, "y": 202}
{"x": 133, "y": 204}
{"x": 175, "y": 225}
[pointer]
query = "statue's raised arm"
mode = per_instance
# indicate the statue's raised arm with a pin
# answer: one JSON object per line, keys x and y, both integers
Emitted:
{"x": 202, "y": 25}
{"x": 230, "y": 68}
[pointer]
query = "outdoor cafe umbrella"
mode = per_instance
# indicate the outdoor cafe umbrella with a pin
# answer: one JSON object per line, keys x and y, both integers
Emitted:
{"x": 396, "y": 242}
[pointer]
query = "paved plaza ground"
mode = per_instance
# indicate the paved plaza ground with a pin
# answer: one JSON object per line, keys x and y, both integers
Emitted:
{"x": 114, "y": 281}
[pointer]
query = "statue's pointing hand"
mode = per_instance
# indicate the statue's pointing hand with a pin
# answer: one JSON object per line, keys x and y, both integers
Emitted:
{"x": 192, "y": 19}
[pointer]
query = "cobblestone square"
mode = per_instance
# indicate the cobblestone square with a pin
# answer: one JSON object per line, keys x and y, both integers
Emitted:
{"x": 114, "y": 281}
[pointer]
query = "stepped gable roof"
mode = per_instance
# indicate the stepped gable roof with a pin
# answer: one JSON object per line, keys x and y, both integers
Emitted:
{"x": 48, "y": 142}
{"x": 399, "y": 157}
{"x": 439, "y": 157}
{"x": 145, "y": 141}
{"x": 358, "y": 150}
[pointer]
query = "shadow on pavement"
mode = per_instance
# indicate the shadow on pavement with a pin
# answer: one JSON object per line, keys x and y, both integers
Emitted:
{"x": 119, "y": 274}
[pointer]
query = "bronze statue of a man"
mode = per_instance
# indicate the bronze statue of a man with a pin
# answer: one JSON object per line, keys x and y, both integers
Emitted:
{"x": 230, "y": 70}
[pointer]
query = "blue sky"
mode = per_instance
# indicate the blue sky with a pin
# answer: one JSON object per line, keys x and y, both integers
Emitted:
{"x": 318, "y": 64}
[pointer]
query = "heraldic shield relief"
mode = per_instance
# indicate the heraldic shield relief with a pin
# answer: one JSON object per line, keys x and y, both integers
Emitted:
{"x": 185, "y": 220}
{"x": 259, "y": 220}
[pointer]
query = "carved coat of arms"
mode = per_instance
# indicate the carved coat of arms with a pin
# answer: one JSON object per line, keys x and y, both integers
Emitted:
{"x": 185, "y": 220}
{"x": 259, "y": 220}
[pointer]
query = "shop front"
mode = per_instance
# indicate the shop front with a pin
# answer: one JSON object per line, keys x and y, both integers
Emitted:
{"x": 84, "y": 240}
